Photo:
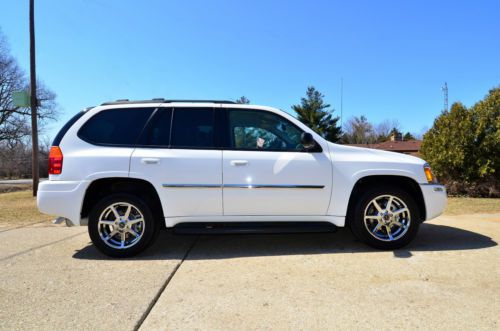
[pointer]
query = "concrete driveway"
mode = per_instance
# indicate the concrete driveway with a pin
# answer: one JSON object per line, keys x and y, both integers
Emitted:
{"x": 449, "y": 278}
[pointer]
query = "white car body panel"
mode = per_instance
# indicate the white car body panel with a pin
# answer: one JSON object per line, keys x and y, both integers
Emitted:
{"x": 435, "y": 200}
{"x": 62, "y": 198}
{"x": 276, "y": 183}
{"x": 350, "y": 164}
{"x": 189, "y": 182}
{"x": 202, "y": 177}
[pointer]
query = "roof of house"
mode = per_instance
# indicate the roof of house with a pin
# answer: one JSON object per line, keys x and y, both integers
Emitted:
{"x": 395, "y": 146}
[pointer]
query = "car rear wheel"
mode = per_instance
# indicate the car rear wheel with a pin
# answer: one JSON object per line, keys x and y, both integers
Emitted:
{"x": 386, "y": 218}
{"x": 122, "y": 225}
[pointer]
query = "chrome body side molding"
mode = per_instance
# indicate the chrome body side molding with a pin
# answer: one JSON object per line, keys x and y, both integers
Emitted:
{"x": 272, "y": 186}
{"x": 245, "y": 186}
{"x": 192, "y": 185}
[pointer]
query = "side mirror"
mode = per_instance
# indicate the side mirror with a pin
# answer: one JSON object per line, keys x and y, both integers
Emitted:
{"x": 307, "y": 140}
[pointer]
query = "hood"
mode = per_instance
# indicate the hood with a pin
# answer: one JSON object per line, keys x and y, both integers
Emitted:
{"x": 369, "y": 154}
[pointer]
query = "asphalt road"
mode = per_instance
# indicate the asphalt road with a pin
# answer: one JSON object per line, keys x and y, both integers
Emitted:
{"x": 53, "y": 278}
{"x": 19, "y": 181}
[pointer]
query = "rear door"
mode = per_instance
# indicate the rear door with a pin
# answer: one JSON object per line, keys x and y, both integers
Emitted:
{"x": 266, "y": 170}
{"x": 178, "y": 154}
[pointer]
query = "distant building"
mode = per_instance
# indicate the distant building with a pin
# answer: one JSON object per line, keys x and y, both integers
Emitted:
{"x": 396, "y": 144}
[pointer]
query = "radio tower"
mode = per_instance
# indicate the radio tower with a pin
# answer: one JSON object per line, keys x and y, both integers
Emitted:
{"x": 445, "y": 92}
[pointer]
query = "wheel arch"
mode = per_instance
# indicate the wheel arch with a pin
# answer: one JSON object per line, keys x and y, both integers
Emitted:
{"x": 102, "y": 187}
{"x": 406, "y": 183}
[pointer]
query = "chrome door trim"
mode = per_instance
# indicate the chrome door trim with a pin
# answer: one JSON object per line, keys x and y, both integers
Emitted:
{"x": 246, "y": 186}
{"x": 285, "y": 186}
{"x": 192, "y": 185}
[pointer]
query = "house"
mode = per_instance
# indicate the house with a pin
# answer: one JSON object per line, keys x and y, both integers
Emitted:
{"x": 396, "y": 144}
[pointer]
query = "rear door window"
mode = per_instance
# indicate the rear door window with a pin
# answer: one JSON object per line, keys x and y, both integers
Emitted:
{"x": 157, "y": 133}
{"x": 193, "y": 128}
{"x": 115, "y": 127}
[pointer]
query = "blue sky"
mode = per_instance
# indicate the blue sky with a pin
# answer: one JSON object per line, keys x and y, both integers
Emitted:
{"x": 394, "y": 56}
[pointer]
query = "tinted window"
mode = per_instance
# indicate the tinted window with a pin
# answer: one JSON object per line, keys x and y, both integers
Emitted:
{"x": 193, "y": 128}
{"x": 115, "y": 126}
{"x": 261, "y": 130}
{"x": 158, "y": 131}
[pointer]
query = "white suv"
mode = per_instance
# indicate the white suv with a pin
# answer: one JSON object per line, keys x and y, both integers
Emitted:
{"x": 128, "y": 168}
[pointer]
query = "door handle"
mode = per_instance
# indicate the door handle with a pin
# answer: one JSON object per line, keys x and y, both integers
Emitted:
{"x": 150, "y": 160}
{"x": 239, "y": 162}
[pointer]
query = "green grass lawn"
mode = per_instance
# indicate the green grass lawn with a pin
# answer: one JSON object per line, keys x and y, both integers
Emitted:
{"x": 461, "y": 206}
{"x": 19, "y": 208}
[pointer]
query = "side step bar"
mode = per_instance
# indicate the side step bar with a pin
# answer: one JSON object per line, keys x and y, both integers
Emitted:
{"x": 254, "y": 227}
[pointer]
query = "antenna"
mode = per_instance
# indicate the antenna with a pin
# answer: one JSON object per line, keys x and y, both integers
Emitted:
{"x": 445, "y": 92}
{"x": 341, "y": 97}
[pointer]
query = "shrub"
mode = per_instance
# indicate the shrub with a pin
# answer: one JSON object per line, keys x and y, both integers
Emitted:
{"x": 463, "y": 147}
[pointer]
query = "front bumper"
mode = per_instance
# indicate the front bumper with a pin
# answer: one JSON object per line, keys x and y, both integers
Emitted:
{"x": 435, "y": 199}
{"x": 62, "y": 198}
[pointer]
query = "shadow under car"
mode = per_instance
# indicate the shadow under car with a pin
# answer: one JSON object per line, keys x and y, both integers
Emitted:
{"x": 431, "y": 237}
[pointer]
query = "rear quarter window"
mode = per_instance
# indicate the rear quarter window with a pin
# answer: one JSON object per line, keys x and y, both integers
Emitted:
{"x": 115, "y": 127}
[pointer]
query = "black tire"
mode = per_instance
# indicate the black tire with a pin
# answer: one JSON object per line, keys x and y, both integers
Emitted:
{"x": 149, "y": 231}
{"x": 357, "y": 221}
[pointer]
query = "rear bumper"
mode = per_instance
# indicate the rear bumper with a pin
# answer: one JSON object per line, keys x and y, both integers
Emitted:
{"x": 435, "y": 199}
{"x": 62, "y": 199}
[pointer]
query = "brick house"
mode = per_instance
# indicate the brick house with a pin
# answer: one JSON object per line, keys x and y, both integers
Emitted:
{"x": 396, "y": 144}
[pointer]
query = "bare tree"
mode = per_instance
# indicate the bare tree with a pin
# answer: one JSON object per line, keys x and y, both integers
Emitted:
{"x": 384, "y": 129}
{"x": 15, "y": 127}
{"x": 242, "y": 100}
{"x": 14, "y": 121}
{"x": 357, "y": 130}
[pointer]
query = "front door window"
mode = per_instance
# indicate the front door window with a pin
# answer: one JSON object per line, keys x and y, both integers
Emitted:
{"x": 259, "y": 130}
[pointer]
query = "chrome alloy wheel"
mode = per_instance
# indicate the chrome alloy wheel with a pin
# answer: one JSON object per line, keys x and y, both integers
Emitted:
{"x": 121, "y": 225}
{"x": 387, "y": 218}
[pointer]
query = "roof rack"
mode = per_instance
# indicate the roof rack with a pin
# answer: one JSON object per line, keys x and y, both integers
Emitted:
{"x": 199, "y": 101}
{"x": 161, "y": 100}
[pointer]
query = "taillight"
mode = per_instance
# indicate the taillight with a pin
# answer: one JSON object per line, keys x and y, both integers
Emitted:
{"x": 55, "y": 160}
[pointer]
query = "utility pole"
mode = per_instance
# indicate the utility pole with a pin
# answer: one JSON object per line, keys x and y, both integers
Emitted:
{"x": 33, "y": 101}
{"x": 445, "y": 92}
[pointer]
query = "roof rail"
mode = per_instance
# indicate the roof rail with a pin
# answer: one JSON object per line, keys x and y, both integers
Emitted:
{"x": 127, "y": 101}
{"x": 198, "y": 101}
{"x": 161, "y": 100}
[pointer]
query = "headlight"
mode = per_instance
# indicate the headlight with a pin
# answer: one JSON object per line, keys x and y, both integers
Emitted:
{"x": 428, "y": 174}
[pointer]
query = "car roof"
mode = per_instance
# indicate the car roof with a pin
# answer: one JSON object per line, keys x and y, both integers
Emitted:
{"x": 157, "y": 102}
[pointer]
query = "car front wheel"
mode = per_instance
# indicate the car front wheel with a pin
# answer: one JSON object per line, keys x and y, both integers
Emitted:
{"x": 386, "y": 218}
{"x": 121, "y": 225}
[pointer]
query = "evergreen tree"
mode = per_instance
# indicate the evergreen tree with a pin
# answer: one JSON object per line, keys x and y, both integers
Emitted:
{"x": 464, "y": 143}
{"x": 313, "y": 112}
{"x": 408, "y": 136}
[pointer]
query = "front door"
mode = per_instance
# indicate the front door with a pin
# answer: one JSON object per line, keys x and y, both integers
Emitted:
{"x": 266, "y": 170}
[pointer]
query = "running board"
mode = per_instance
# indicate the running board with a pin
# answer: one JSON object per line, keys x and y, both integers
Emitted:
{"x": 254, "y": 227}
